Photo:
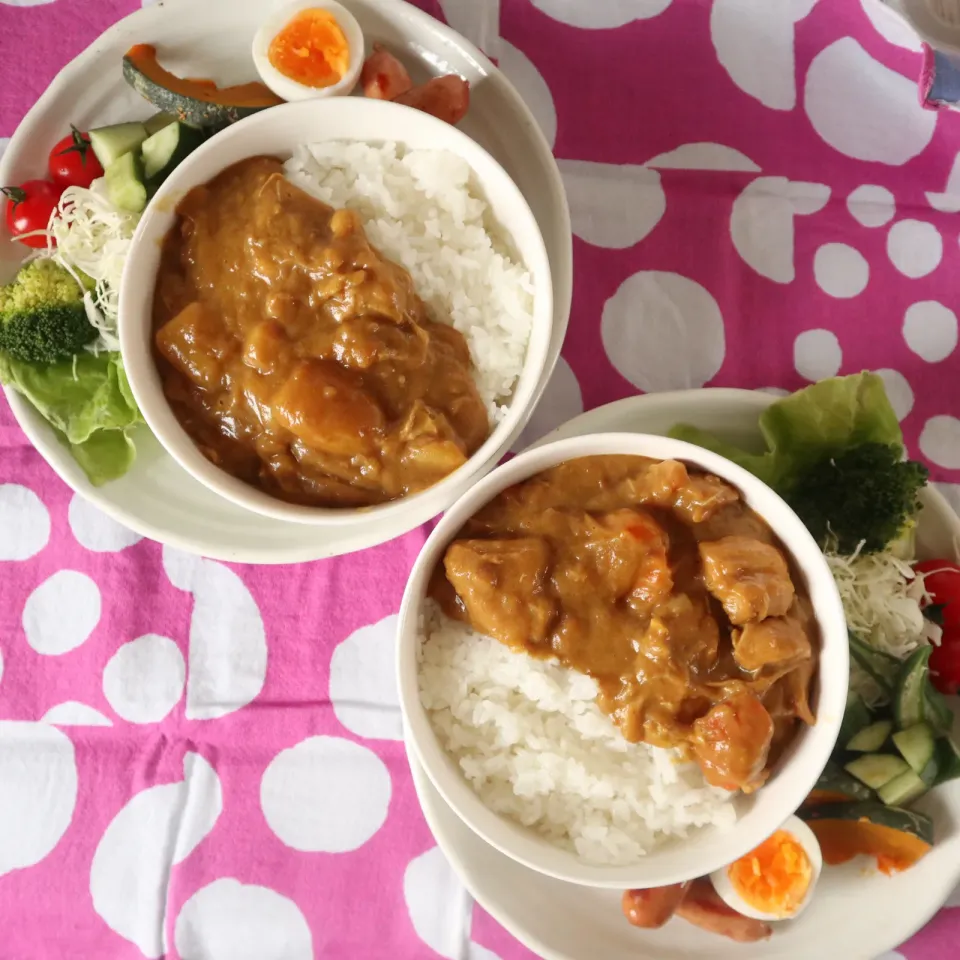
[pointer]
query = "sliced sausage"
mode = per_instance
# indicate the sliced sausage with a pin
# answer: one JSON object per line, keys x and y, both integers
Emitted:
{"x": 703, "y": 907}
{"x": 383, "y": 76}
{"x": 446, "y": 98}
{"x": 654, "y": 907}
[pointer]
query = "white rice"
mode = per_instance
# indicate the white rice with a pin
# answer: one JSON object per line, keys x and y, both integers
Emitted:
{"x": 420, "y": 209}
{"x": 534, "y": 745}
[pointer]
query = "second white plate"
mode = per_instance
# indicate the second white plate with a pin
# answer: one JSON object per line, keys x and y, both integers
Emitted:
{"x": 857, "y": 913}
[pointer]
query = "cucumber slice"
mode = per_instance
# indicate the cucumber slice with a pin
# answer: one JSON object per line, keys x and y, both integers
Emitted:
{"x": 158, "y": 121}
{"x": 856, "y": 716}
{"x": 125, "y": 183}
{"x": 910, "y": 694}
{"x": 877, "y": 769}
{"x": 936, "y": 711}
{"x": 948, "y": 761}
{"x": 166, "y": 148}
{"x": 882, "y": 667}
{"x": 871, "y": 739}
{"x": 111, "y": 143}
{"x": 901, "y": 790}
{"x": 916, "y": 745}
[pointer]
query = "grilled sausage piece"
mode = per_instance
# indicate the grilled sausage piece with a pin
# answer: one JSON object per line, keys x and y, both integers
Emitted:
{"x": 703, "y": 907}
{"x": 446, "y": 98}
{"x": 654, "y": 907}
{"x": 383, "y": 76}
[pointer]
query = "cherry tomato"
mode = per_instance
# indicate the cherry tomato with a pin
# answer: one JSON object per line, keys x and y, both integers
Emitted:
{"x": 29, "y": 207}
{"x": 945, "y": 662}
{"x": 942, "y": 581}
{"x": 72, "y": 162}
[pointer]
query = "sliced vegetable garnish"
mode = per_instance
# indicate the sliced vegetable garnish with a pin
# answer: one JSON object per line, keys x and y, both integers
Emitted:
{"x": 856, "y": 716}
{"x": 193, "y": 102}
{"x": 897, "y": 838}
{"x": 835, "y": 785}
{"x": 916, "y": 745}
{"x": 112, "y": 142}
{"x": 911, "y": 697}
{"x": 872, "y": 738}
{"x": 877, "y": 769}
{"x": 903, "y": 789}
{"x": 882, "y": 667}
{"x": 948, "y": 760}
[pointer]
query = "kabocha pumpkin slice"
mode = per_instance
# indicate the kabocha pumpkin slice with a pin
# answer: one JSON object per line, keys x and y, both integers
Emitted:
{"x": 196, "y": 103}
{"x": 896, "y": 838}
{"x": 835, "y": 785}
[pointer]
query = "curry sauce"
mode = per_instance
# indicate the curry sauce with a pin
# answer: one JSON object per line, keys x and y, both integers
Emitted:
{"x": 297, "y": 357}
{"x": 662, "y": 585}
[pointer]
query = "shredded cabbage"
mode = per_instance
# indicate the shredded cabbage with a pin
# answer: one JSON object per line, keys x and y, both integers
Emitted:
{"x": 93, "y": 237}
{"x": 882, "y": 598}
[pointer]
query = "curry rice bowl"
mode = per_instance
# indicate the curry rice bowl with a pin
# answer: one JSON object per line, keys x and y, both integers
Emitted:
{"x": 530, "y": 739}
{"x": 420, "y": 209}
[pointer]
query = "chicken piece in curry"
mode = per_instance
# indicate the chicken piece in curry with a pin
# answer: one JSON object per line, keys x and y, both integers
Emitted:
{"x": 661, "y": 584}
{"x": 297, "y": 357}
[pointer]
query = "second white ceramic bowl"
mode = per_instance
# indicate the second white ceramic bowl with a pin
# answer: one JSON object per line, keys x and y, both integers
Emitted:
{"x": 276, "y": 132}
{"x": 759, "y": 814}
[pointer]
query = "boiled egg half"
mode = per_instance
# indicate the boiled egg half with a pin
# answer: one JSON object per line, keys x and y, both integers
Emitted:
{"x": 309, "y": 49}
{"x": 776, "y": 880}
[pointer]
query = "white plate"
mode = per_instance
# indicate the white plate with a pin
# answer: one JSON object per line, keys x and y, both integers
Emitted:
{"x": 157, "y": 498}
{"x": 856, "y": 914}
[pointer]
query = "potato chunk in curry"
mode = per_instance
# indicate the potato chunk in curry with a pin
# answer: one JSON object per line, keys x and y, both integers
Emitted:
{"x": 297, "y": 357}
{"x": 662, "y": 585}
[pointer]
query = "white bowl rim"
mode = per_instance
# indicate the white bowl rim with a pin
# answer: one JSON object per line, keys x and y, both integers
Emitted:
{"x": 778, "y": 800}
{"x": 144, "y": 379}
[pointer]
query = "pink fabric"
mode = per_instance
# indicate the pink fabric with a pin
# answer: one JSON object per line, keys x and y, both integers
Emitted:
{"x": 622, "y": 93}
{"x": 926, "y": 79}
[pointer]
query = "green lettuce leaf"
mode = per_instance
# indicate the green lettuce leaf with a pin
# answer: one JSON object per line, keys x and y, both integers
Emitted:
{"x": 819, "y": 421}
{"x": 88, "y": 401}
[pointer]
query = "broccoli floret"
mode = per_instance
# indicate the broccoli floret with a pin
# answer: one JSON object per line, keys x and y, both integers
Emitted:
{"x": 39, "y": 282}
{"x": 46, "y": 334}
{"x": 863, "y": 497}
{"x": 42, "y": 316}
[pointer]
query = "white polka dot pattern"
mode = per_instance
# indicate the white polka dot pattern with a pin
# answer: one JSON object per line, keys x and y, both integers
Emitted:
{"x": 914, "y": 247}
{"x": 930, "y": 330}
{"x": 61, "y": 613}
{"x": 663, "y": 331}
{"x": 229, "y": 920}
{"x": 325, "y": 794}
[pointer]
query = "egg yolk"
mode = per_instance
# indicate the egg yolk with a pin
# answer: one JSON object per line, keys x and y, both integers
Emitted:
{"x": 311, "y": 49}
{"x": 775, "y": 877}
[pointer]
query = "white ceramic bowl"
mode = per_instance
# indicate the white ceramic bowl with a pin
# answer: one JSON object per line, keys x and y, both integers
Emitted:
{"x": 760, "y": 814}
{"x": 289, "y": 89}
{"x": 276, "y": 132}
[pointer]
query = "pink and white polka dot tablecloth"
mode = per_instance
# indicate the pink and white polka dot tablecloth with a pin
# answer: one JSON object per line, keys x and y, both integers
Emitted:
{"x": 190, "y": 763}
